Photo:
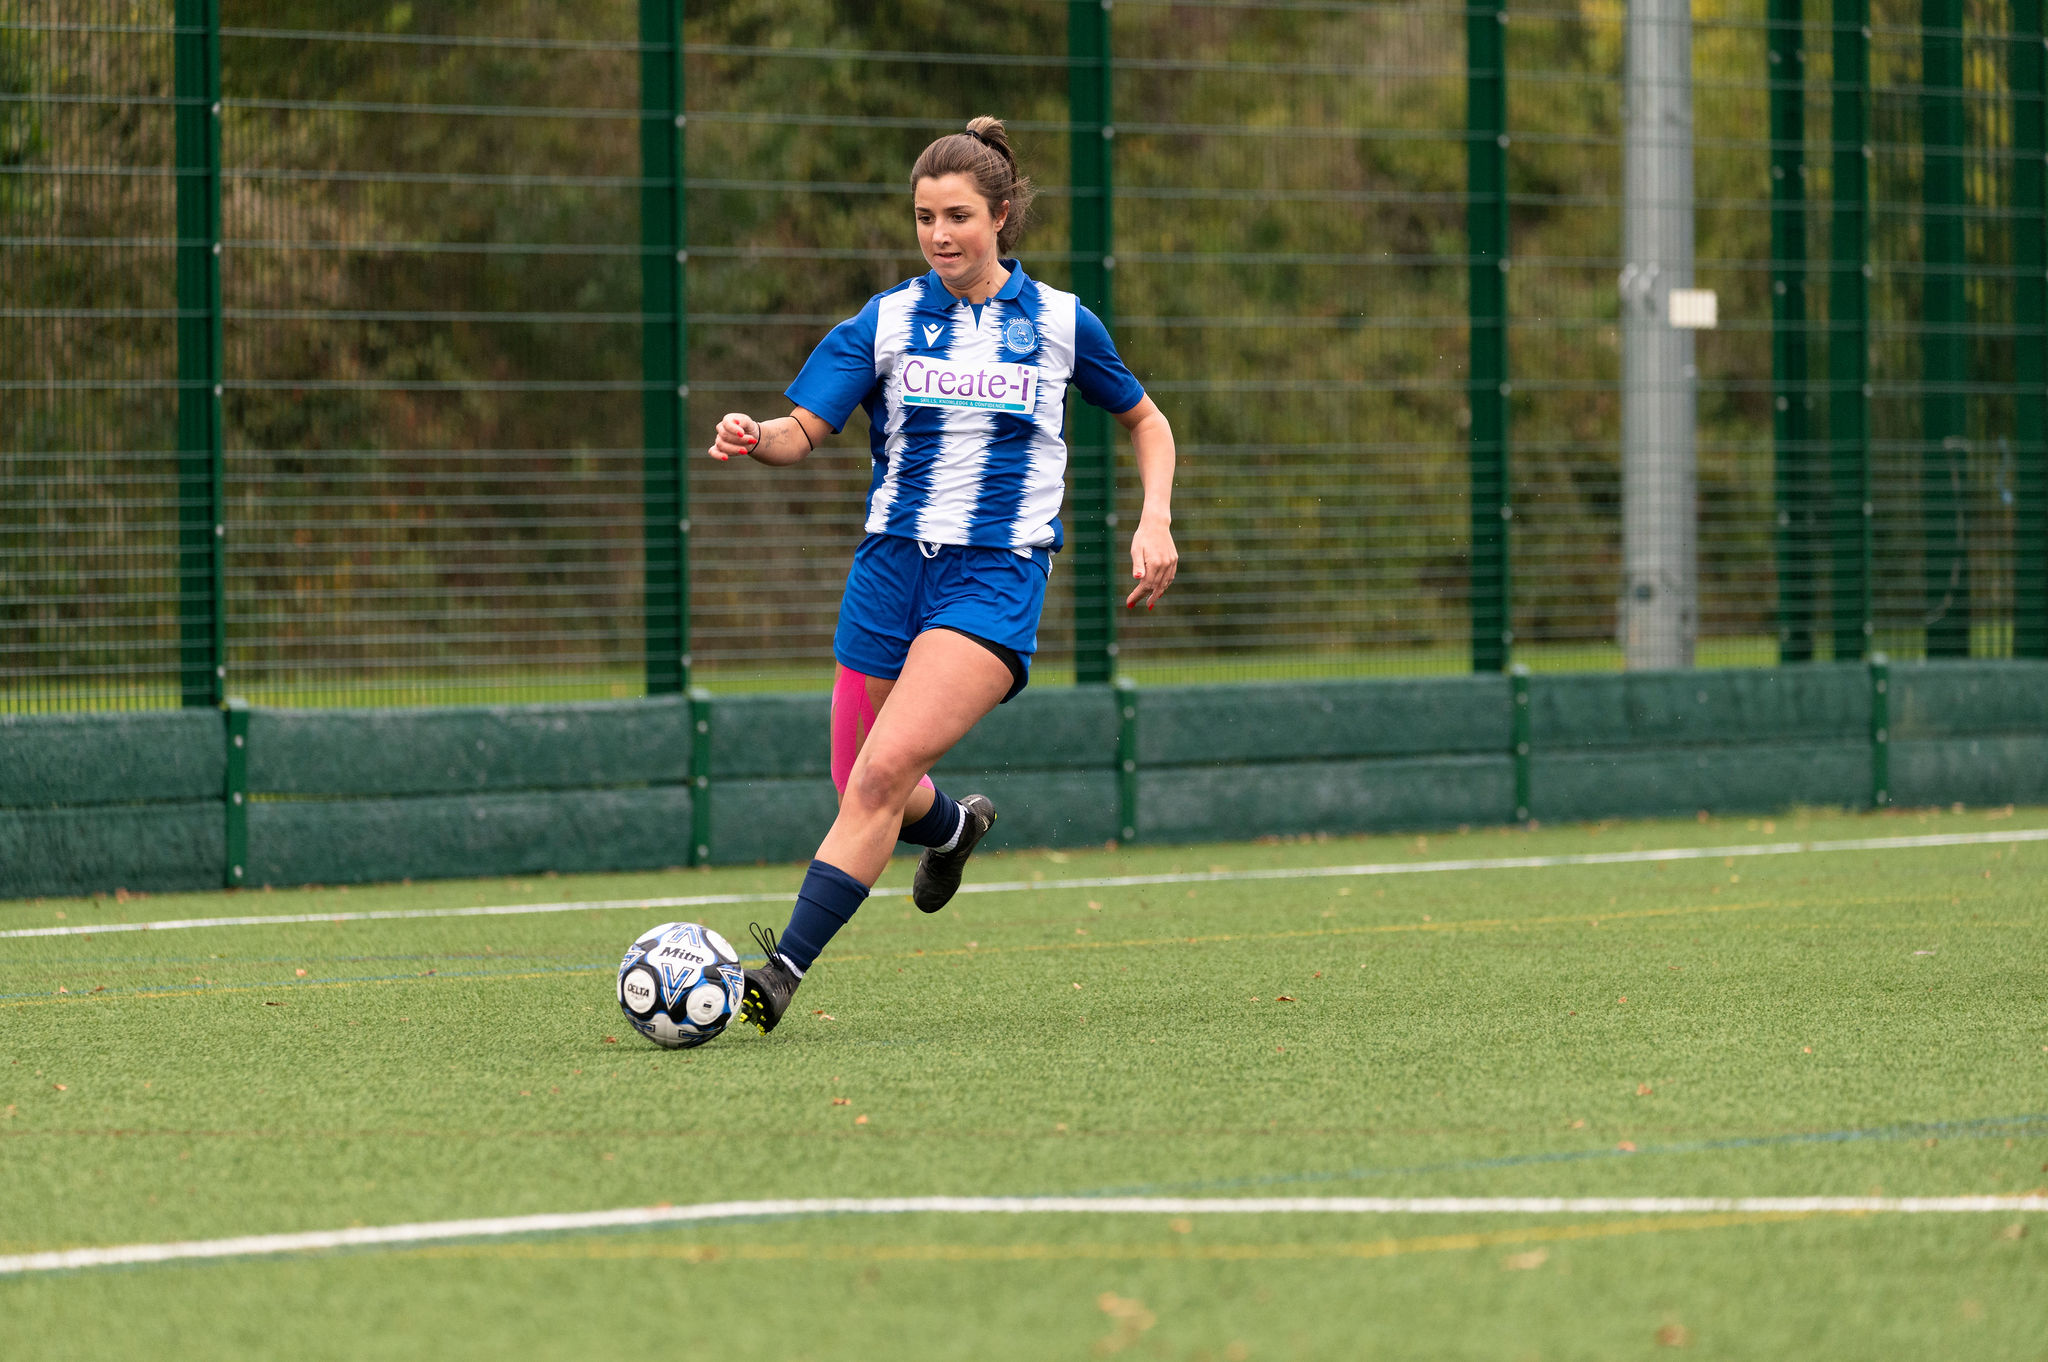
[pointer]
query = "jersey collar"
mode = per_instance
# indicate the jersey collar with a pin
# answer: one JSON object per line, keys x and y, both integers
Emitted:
{"x": 935, "y": 290}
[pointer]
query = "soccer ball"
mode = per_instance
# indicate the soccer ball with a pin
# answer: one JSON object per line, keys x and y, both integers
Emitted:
{"x": 679, "y": 985}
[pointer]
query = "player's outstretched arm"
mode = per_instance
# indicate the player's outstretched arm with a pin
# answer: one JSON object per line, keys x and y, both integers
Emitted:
{"x": 784, "y": 440}
{"x": 1153, "y": 556}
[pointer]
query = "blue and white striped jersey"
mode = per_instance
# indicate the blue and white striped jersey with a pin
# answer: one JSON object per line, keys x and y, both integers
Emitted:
{"x": 966, "y": 412}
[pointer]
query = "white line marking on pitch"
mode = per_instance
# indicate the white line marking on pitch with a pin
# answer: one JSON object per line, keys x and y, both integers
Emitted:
{"x": 1938, "y": 839}
{"x": 429, "y": 1231}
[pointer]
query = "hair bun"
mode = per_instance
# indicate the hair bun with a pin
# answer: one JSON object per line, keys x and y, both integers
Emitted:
{"x": 991, "y": 133}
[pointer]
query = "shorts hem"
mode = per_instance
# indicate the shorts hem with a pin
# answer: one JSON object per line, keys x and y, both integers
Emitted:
{"x": 881, "y": 671}
{"x": 1018, "y": 663}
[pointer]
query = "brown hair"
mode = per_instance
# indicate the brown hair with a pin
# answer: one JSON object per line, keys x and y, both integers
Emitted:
{"x": 982, "y": 153}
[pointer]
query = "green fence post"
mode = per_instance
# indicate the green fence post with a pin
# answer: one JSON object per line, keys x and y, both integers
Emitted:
{"x": 1486, "y": 226}
{"x": 700, "y": 777}
{"x": 2029, "y": 76}
{"x": 664, "y": 348}
{"x": 1792, "y": 400}
{"x": 1127, "y": 758}
{"x": 1518, "y": 687}
{"x": 202, "y": 465}
{"x": 1944, "y": 436}
{"x": 236, "y": 720}
{"x": 1092, "y": 451}
{"x": 1880, "y": 731}
{"x": 1852, "y": 506}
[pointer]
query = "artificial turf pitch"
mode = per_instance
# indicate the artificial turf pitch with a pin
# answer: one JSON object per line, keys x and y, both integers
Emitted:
{"x": 1838, "y": 1023}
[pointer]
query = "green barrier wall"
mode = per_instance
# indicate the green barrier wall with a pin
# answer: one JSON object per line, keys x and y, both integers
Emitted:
{"x": 165, "y": 801}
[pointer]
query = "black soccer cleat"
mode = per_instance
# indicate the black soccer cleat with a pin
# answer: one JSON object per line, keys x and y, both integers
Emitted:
{"x": 938, "y": 872}
{"x": 769, "y": 988}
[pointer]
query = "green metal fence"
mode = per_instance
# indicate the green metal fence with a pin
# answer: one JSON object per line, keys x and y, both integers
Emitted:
{"x": 361, "y": 356}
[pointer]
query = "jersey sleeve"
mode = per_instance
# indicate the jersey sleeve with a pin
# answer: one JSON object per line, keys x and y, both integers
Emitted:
{"x": 841, "y": 371}
{"x": 1099, "y": 371}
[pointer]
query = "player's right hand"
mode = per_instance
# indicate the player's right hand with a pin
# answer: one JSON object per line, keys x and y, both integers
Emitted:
{"x": 738, "y": 433}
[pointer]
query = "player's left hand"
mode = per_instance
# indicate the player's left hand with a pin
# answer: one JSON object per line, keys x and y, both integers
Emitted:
{"x": 1153, "y": 562}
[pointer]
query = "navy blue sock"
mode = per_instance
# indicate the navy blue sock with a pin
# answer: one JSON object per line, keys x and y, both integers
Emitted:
{"x": 827, "y": 902}
{"x": 939, "y": 826}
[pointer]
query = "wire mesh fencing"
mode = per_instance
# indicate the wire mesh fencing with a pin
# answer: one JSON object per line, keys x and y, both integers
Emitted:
{"x": 356, "y": 358}
{"x": 89, "y": 475}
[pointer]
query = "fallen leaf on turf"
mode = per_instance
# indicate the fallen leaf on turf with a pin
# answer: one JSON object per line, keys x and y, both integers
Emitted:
{"x": 860, "y": 1120}
{"x": 1130, "y": 1317}
{"x": 1286, "y": 998}
{"x": 1522, "y": 1262}
{"x": 1319, "y": 974}
{"x": 299, "y": 973}
{"x": 1622, "y": 999}
{"x": 101, "y": 989}
{"x": 1674, "y": 1336}
{"x": 1627, "y": 1146}
{"x": 824, "y": 1016}
{"x": 1579, "y": 1124}
{"x": 273, "y": 1004}
{"x": 842, "y": 1101}
{"x": 66, "y": 990}
{"x": 611, "y": 1040}
{"x": 1077, "y": 986}
{"x": 60, "y": 1087}
{"x": 2013, "y": 1231}
{"x": 1643, "y": 1089}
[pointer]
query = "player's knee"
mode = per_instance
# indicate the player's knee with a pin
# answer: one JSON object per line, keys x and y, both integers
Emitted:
{"x": 881, "y": 780}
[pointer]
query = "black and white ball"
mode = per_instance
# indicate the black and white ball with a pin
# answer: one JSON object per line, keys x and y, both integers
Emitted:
{"x": 679, "y": 984}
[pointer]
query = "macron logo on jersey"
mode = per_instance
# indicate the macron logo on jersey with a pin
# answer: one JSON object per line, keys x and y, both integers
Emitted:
{"x": 932, "y": 333}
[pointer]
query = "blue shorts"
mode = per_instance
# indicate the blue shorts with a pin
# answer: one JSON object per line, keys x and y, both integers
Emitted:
{"x": 898, "y": 588}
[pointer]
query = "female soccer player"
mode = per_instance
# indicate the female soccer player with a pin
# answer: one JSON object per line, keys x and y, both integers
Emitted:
{"x": 963, "y": 373}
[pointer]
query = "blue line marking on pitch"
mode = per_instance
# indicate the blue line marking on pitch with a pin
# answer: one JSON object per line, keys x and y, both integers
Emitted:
{"x": 309, "y": 983}
{"x": 1988, "y": 1127}
{"x": 347, "y": 979}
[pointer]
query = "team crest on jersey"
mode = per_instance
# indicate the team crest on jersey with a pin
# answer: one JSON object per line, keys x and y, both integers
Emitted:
{"x": 1019, "y": 336}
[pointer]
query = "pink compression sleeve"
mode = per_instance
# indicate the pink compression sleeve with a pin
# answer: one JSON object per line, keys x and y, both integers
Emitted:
{"x": 853, "y": 715}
